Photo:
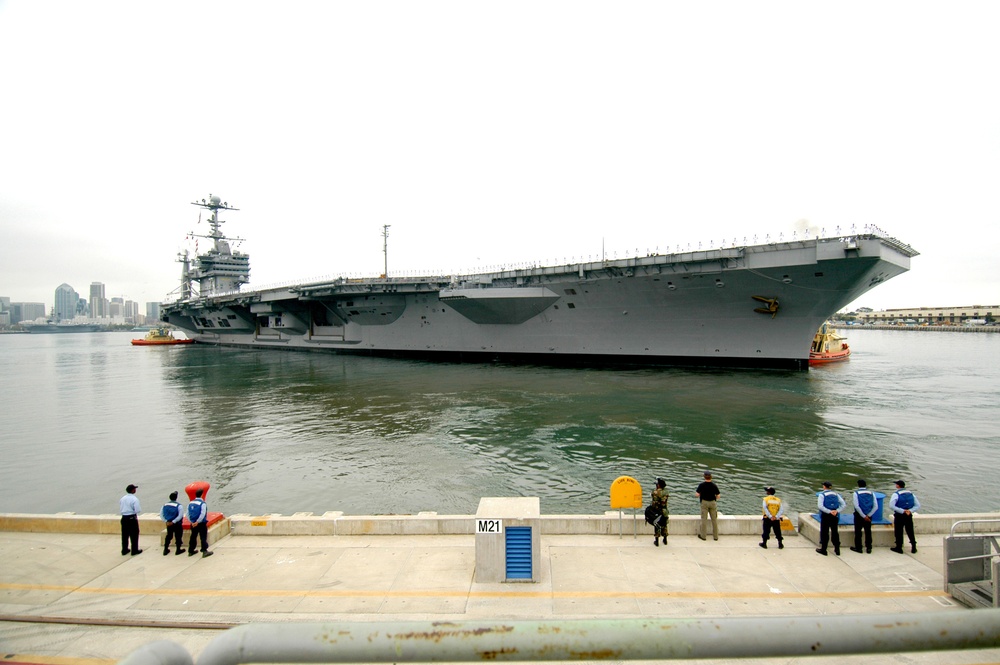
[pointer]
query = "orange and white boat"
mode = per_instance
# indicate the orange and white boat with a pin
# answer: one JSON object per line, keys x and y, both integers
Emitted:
{"x": 828, "y": 346}
{"x": 160, "y": 337}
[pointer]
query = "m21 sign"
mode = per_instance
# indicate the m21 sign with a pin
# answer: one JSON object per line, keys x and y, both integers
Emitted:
{"x": 489, "y": 526}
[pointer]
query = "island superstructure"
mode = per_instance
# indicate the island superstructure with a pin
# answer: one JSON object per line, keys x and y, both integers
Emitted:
{"x": 742, "y": 306}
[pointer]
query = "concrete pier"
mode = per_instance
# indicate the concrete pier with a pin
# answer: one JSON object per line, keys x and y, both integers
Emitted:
{"x": 68, "y": 596}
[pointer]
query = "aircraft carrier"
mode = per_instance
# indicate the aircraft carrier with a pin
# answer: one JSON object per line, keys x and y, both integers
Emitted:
{"x": 741, "y": 306}
{"x": 60, "y": 327}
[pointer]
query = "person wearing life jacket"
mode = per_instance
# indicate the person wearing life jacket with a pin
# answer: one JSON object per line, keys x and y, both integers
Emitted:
{"x": 865, "y": 507}
{"x": 198, "y": 516}
{"x": 173, "y": 515}
{"x": 772, "y": 510}
{"x": 902, "y": 504}
{"x": 830, "y": 504}
{"x": 660, "y": 503}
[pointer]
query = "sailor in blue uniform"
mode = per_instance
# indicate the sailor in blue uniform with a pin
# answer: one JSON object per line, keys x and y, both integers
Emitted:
{"x": 172, "y": 514}
{"x": 865, "y": 507}
{"x": 902, "y": 504}
{"x": 198, "y": 516}
{"x": 830, "y": 504}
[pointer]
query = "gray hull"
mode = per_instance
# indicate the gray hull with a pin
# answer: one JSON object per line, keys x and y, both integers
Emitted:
{"x": 696, "y": 308}
{"x": 50, "y": 328}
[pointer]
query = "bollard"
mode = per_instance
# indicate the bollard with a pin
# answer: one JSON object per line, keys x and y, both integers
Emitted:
{"x": 191, "y": 489}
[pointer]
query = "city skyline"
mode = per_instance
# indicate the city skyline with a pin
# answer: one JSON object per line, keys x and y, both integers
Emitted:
{"x": 67, "y": 304}
{"x": 487, "y": 136}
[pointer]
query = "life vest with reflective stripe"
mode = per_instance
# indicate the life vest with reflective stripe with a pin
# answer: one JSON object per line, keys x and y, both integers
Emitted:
{"x": 866, "y": 501}
{"x": 170, "y": 511}
{"x": 773, "y": 504}
{"x": 194, "y": 510}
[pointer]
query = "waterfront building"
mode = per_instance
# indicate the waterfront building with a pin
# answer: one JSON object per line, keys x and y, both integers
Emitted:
{"x": 26, "y": 311}
{"x": 933, "y": 315}
{"x": 116, "y": 308}
{"x": 66, "y": 300}
{"x": 98, "y": 303}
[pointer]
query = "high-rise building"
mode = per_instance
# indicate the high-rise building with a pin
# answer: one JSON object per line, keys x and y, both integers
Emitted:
{"x": 152, "y": 312}
{"x": 26, "y": 311}
{"x": 116, "y": 308}
{"x": 66, "y": 302}
{"x": 98, "y": 303}
{"x": 131, "y": 311}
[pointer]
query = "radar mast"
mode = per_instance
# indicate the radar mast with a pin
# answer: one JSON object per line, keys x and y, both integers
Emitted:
{"x": 220, "y": 269}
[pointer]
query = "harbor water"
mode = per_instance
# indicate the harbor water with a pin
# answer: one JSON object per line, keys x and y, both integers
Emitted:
{"x": 284, "y": 432}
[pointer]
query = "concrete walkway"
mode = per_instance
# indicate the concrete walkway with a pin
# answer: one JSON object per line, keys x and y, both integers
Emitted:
{"x": 73, "y": 598}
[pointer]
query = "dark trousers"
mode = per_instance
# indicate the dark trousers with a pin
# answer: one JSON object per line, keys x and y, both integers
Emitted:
{"x": 769, "y": 526}
{"x": 661, "y": 526}
{"x": 861, "y": 524}
{"x": 199, "y": 529}
{"x": 130, "y": 533}
{"x": 900, "y": 522}
{"x": 829, "y": 530}
{"x": 175, "y": 530}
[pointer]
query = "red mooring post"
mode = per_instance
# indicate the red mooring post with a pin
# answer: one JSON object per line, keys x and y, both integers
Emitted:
{"x": 191, "y": 489}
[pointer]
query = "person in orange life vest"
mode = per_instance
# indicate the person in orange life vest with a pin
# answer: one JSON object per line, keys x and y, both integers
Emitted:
{"x": 772, "y": 510}
{"x": 830, "y": 504}
{"x": 865, "y": 507}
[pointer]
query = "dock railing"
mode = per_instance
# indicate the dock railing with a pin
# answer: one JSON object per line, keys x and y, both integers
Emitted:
{"x": 593, "y": 640}
{"x": 972, "y": 562}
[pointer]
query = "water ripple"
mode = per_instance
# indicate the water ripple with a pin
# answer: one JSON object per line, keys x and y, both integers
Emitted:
{"x": 289, "y": 432}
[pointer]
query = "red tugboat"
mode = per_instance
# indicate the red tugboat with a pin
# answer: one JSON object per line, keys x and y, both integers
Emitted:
{"x": 159, "y": 337}
{"x": 828, "y": 346}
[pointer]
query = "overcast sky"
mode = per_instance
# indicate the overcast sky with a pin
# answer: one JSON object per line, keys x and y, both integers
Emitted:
{"x": 494, "y": 133}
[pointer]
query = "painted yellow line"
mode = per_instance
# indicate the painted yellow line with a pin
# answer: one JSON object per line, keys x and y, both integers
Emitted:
{"x": 443, "y": 593}
{"x": 33, "y": 659}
